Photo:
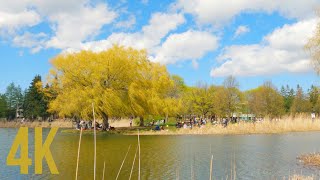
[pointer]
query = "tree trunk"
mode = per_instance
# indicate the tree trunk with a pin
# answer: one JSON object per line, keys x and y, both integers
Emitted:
{"x": 105, "y": 121}
{"x": 141, "y": 121}
{"x": 166, "y": 119}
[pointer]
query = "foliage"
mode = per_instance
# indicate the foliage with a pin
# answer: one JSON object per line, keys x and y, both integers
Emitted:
{"x": 313, "y": 46}
{"x": 35, "y": 103}
{"x": 14, "y": 99}
{"x": 266, "y": 101}
{"x": 3, "y": 106}
{"x": 300, "y": 103}
{"x": 288, "y": 97}
{"x": 120, "y": 82}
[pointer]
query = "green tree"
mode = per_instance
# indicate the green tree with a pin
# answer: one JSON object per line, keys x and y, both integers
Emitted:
{"x": 288, "y": 97}
{"x": 266, "y": 101}
{"x": 201, "y": 99}
{"x": 3, "y": 106}
{"x": 300, "y": 104}
{"x": 233, "y": 96}
{"x": 14, "y": 98}
{"x": 35, "y": 104}
{"x": 313, "y": 93}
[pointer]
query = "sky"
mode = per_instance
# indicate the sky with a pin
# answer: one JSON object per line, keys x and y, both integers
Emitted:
{"x": 200, "y": 40}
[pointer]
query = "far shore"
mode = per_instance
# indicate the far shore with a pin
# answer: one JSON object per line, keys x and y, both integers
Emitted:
{"x": 241, "y": 128}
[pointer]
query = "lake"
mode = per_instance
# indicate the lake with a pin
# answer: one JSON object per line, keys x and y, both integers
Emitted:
{"x": 169, "y": 157}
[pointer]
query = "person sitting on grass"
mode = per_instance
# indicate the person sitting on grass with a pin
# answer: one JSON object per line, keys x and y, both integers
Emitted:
{"x": 157, "y": 128}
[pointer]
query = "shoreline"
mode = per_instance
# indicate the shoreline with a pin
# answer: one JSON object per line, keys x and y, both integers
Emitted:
{"x": 241, "y": 128}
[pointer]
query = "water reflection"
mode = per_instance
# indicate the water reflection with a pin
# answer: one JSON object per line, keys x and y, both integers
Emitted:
{"x": 168, "y": 157}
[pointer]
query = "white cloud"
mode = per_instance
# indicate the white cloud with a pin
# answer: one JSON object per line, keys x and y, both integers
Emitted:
{"x": 10, "y": 22}
{"x": 151, "y": 35}
{"x": 162, "y": 46}
{"x": 72, "y": 22}
{"x": 241, "y": 30}
{"x": 218, "y": 12}
{"x": 190, "y": 45}
{"x": 280, "y": 51}
{"x": 131, "y": 21}
{"x": 30, "y": 40}
{"x": 72, "y": 28}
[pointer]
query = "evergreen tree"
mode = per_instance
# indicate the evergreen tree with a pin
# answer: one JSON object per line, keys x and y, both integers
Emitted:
{"x": 3, "y": 106}
{"x": 313, "y": 96}
{"x": 300, "y": 103}
{"x": 14, "y": 99}
{"x": 288, "y": 96}
{"x": 35, "y": 104}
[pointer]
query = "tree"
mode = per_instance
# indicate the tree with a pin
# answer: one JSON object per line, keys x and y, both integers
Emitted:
{"x": 313, "y": 47}
{"x": 288, "y": 97}
{"x": 35, "y": 103}
{"x": 266, "y": 101}
{"x": 119, "y": 81}
{"x": 14, "y": 99}
{"x": 201, "y": 99}
{"x": 313, "y": 93}
{"x": 149, "y": 93}
{"x": 300, "y": 103}
{"x": 3, "y": 106}
{"x": 233, "y": 95}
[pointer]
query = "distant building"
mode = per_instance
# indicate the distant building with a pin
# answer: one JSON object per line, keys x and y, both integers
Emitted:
{"x": 247, "y": 117}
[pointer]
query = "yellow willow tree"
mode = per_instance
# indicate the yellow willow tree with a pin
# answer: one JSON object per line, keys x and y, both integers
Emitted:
{"x": 104, "y": 78}
{"x": 148, "y": 92}
{"x": 313, "y": 45}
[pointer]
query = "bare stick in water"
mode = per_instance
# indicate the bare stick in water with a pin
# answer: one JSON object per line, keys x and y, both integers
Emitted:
{"x": 78, "y": 154}
{"x": 211, "y": 167}
{"x": 104, "y": 167}
{"x": 95, "y": 143}
{"x": 134, "y": 159}
{"x": 139, "y": 155}
{"x": 124, "y": 159}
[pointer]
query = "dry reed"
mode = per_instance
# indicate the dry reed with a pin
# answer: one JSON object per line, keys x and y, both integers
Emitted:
{"x": 104, "y": 167}
{"x": 134, "y": 159}
{"x": 311, "y": 159}
{"x": 78, "y": 154}
{"x": 125, "y": 157}
{"x": 139, "y": 154}
{"x": 284, "y": 125}
{"x": 95, "y": 143}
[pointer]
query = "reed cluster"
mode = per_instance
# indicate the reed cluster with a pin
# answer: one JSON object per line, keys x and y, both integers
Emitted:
{"x": 264, "y": 127}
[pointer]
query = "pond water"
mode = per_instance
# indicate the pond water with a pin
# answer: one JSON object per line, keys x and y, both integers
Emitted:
{"x": 169, "y": 157}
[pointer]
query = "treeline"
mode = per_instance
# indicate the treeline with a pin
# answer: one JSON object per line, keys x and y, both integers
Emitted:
{"x": 30, "y": 103}
{"x": 122, "y": 82}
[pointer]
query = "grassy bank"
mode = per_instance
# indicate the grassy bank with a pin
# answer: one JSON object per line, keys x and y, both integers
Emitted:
{"x": 298, "y": 124}
{"x": 46, "y": 124}
{"x": 264, "y": 127}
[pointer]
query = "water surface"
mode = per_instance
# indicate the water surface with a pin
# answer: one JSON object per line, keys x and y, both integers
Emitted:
{"x": 168, "y": 157}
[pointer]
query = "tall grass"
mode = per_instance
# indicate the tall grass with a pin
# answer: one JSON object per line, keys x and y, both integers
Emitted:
{"x": 297, "y": 124}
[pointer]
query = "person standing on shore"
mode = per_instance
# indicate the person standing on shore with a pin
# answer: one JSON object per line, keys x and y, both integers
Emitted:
{"x": 131, "y": 121}
{"x": 313, "y": 116}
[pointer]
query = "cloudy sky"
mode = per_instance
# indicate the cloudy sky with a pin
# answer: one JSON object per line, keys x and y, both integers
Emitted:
{"x": 200, "y": 40}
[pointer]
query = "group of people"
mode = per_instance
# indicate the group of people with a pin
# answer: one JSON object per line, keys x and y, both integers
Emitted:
{"x": 87, "y": 125}
{"x": 192, "y": 122}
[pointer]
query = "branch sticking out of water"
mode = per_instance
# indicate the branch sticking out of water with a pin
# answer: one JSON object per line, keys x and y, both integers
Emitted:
{"x": 104, "y": 167}
{"x": 78, "y": 153}
{"x": 134, "y": 159}
{"x": 139, "y": 155}
{"x": 123, "y": 162}
{"x": 211, "y": 167}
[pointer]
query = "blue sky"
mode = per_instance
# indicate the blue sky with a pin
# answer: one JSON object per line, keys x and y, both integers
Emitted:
{"x": 202, "y": 41}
